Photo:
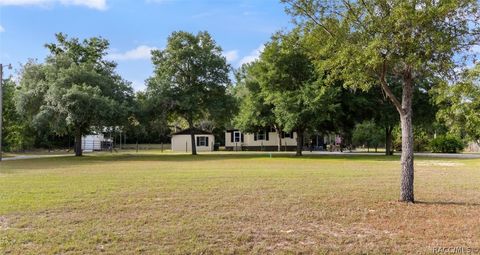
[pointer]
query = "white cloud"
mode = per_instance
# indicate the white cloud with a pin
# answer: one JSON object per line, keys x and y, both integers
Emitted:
{"x": 141, "y": 52}
{"x": 159, "y": 1}
{"x": 231, "y": 55}
{"x": 2, "y": 29}
{"x": 254, "y": 55}
{"x": 94, "y": 4}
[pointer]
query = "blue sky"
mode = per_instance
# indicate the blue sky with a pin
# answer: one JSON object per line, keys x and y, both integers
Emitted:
{"x": 133, "y": 28}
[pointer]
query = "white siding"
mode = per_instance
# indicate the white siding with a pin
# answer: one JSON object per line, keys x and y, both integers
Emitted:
{"x": 182, "y": 143}
{"x": 249, "y": 140}
{"x": 92, "y": 142}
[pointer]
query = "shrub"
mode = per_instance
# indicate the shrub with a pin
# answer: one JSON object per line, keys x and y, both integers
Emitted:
{"x": 446, "y": 144}
{"x": 368, "y": 134}
{"x": 421, "y": 140}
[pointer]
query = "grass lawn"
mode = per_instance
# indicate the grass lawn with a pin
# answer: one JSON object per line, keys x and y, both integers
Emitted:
{"x": 235, "y": 204}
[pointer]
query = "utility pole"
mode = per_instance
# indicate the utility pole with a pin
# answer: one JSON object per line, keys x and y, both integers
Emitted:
{"x": 9, "y": 66}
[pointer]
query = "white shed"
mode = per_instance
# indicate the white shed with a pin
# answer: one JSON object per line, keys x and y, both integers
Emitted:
{"x": 181, "y": 141}
{"x": 92, "y": 142}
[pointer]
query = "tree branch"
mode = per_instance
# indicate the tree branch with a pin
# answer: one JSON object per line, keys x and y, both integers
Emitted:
{"x": 310, "y": 16}
{"x": 355, "y": 15}
{"x": 366, "y": 8}
{"x": 387, "y": 89}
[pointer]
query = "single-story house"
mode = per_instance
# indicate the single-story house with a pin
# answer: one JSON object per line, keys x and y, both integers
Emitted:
{"x": 264, "y": 140}
{"x": 181, "y": 141}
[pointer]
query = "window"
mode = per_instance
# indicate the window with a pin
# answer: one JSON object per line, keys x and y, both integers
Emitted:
{"x": 237, "y": 137}
{"x": 261, "y": 135}
{"x": 202, "y": 141}
{"x": 288, "y": 135}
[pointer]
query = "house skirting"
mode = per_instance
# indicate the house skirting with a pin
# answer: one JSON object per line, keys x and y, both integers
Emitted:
{"x": 260, "y": 148}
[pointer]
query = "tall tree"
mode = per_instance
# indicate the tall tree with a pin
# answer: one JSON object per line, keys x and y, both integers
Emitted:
{"x": 460, "y": 105}
{"x": 75, "y": 90}
{"x": 290, "y": 82}
{"x": 354, "y": 106}
{"x": 145, "y": 124}
{"x": 369, "y": 134}
{"x": 383, "y": 112}
{"x": 16, "y": 133}
{"x": 191, "y": 79}
{"x": 254, "y": 111}
{"x": 364, "y": 42}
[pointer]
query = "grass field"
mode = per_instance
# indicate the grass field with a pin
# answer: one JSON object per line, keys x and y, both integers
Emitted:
{"x": 235, "y": 204}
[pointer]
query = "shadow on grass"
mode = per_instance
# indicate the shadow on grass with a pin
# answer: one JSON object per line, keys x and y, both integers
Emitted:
{"x": 446, "y": 203}
{"x": 98, "y": 158}
{"x": 238, "y": 156}
{"x": 255, "y": 155}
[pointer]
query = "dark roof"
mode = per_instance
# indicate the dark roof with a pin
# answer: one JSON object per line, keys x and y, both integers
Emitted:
{"x": 195, "y": 131}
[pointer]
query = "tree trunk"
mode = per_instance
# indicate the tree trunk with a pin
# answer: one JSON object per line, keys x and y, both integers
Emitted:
{"x": 78, "y": 143}
{"x": 192, "y": 137}
{"x": 299, "y": 143}
{"x": 406, "y": 187}
{"x": 406, "y": 193}
{"x": 279, "y": 134}
{"x": 404, "y": 108}
{"x": 388, "y": 141}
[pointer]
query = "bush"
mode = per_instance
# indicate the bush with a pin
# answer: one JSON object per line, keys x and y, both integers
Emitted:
{"x": 368, "y": 134}
{"x": 446, "y": 144}
{"x": 421, "y": 139}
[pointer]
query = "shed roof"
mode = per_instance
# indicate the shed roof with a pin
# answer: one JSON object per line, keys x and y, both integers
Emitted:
{"x": 196, "y": 131}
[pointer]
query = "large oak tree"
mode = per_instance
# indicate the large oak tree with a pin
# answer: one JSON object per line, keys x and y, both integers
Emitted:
{"x": 75, "y": 90}
{"x": 364, "y": 42}
{"x": 190, "y": 80}
{"x": 289, "y": 81}
{"x": 254, "y": 112}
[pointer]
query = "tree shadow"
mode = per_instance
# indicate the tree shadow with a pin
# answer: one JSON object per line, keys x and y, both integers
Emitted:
{"x": 106, "y": 158}
{"x": 246, "y": 156}
{"x": 96, "y": 158}
{"x": 447, "y": 203}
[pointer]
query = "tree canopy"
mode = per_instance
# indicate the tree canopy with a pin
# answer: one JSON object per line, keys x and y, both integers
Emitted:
{"x": 460, "y": 105}
{"x": 368, "y": 134}
{"x": 254, "y": 111}
{"x": 75, "y": 90}
{"x": 289, "y": 82}
{"x": 365, "y": 42}
{"x": 190, "y": 80}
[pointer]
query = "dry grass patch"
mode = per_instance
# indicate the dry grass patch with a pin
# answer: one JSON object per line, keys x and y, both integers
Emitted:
{"x": 210, "y": 204}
